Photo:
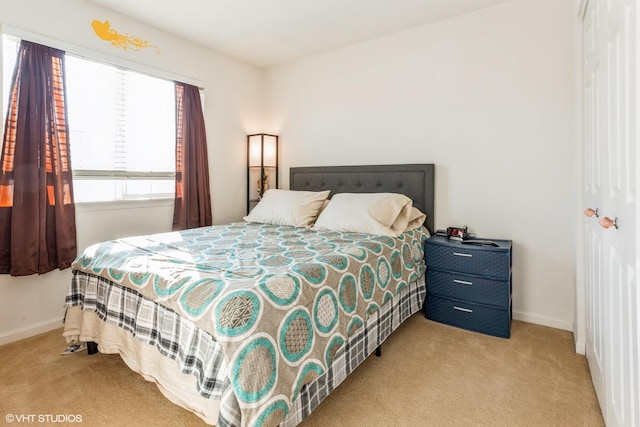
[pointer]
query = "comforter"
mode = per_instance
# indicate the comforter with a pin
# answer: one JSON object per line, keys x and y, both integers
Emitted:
{"x": 280, "y": 301}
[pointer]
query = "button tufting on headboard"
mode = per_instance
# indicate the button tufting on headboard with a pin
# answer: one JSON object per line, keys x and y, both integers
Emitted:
{"x": 414, "y": 180}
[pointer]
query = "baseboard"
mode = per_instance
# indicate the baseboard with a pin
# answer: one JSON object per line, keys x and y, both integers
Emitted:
{"x": 552, "y": 323}
{"x": 580, "y": 347}
{"x": 30, "y": 331}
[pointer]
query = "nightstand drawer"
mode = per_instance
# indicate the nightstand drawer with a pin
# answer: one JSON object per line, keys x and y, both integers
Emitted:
{"x": 470, "y": 288}
{"x": 464, "y": 258}
{"x": 466, "y": 315}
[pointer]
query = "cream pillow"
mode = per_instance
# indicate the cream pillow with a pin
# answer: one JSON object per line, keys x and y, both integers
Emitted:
{"x": 416, "y": 219}
{"x": 288, "y": 207}
{"x": 384, "y": 214}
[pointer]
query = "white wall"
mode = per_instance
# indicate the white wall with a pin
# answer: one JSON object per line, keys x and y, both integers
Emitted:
{"x": 233, "y": 108}
{"x": 489, "y": 97}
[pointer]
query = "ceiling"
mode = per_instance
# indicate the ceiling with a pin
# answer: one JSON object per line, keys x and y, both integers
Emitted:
{"x": 270, "y": 32}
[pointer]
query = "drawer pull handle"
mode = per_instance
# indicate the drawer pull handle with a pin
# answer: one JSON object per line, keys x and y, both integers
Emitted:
{"x": 459, "y": 254}
{"x": 462, "y": 282}
{"x": 466, "y": 310}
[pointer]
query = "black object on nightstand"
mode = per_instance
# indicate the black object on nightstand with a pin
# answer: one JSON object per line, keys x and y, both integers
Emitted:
{"x": 469, "y": 284}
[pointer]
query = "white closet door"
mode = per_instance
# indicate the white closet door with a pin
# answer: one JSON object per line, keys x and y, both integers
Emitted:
{"x": 611, "y": 264}
{"x": 596, "y": 311}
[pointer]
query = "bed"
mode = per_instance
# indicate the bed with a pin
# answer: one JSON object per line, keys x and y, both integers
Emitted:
{"x": 253, "y": 323}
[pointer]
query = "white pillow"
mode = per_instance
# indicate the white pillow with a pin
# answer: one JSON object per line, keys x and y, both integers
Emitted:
{"x": 416, "y": 219}
{"x": 384, "y": 214}
{"x": 288, "y": 207}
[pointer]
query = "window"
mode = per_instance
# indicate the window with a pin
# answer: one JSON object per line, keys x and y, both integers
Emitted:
{"x": 9, "y": 53}
{"x": 121, "y": 129}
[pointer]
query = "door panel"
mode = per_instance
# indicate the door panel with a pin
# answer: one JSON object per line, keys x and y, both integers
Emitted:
{"x": 593, "y": 150}
{"x": 611, "y": 264}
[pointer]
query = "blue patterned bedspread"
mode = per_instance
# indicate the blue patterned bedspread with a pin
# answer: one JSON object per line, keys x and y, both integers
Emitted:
{"x": 280, "y": 300}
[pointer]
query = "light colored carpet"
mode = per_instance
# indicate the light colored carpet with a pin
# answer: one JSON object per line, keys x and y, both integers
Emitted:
{"x": 429, "y": 375}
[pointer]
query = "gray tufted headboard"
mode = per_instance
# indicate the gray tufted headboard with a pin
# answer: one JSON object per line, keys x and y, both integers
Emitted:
{"x": 415, "y": 181}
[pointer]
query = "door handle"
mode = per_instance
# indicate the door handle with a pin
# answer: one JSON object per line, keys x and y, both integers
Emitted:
{"x": 590, "y": 212}
{"x": 607, "y": 222}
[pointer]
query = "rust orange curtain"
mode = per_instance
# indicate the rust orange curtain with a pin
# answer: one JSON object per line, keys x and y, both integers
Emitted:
{"x": 37, "y": 212}
{"x": 192, "y": 206}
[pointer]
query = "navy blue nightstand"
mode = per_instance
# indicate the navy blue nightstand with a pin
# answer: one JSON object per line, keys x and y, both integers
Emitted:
{"x": 469, "y": 285}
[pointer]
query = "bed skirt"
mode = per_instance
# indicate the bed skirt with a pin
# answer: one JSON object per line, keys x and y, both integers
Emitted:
{"x": 187, "y": 364}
